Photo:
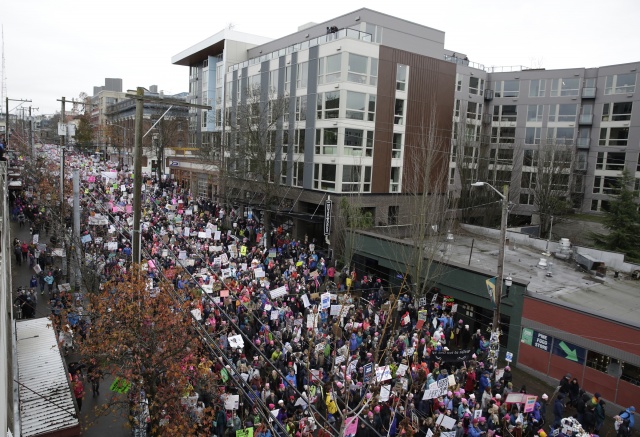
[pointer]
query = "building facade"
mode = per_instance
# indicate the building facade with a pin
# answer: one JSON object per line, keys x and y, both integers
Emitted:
{"x": 368, "y": 93}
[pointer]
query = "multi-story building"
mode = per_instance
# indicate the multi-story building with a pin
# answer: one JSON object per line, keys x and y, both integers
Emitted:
{"x": 371, "y": 99}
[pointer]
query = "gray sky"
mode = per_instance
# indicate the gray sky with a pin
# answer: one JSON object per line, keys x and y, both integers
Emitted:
{"x": 62, "y": 48}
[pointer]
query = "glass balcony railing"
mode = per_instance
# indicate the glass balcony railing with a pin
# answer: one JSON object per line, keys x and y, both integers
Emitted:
{"x": 589, "y": 93}
{"x": 586, "y": 119}
{"x": 583, "y": 143}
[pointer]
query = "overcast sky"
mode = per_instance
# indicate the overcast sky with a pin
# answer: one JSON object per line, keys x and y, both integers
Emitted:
{"x": 62, "y": 48}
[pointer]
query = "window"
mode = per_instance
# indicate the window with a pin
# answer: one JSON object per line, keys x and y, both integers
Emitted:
{"x": 351, "y": 178}
{"x": 530, "y": 158}
{"x": 476, "y": 86}
{"x": 357, "y": 68}
{"x": 458, "y": 81}
{"x": 534, "y": 113}
{"x": 373, "y": 72}
{"x": 565, "y": 87}
{"x": 302, "y": 75}
{"x": 505, "y": 113}
{"x": 301, "y": 108}
{"x": 620, "y": 84}
{"x": 394, "y": 184}
{"x": 456, "y": 110}
{"x": 474, "y": 110}
{"x": 605, "y": 185}
{"x": 603, "y": 363}
{"x": 324, "y": 177}
{"x": 630, "y": 373}
{"x": 507, "y": 88}
{"x": 396, "y": 146}
{"x": 287, "y": 78}
{"x": 610, "y": 161}
{"x": 614, "y": 136}
{"x": 326, "y": 141}
{"x": 328, "y": 105}
{"x": 372, "y": 107}
{"x": 355, "y": 105}
{"x": 503, "y": 135}
{"x": 329, "y": 69}
{"x": 563, "y": 112}
{"x": 402, "y": 72}
{"x": 560, "y": 135}
{"x": 273, "y": 81}
{"x": 617, "y": 111}
{"x": 298, "y": 174}
{"x": 354, "y": 140}
{"x": 298, "y": 140}
{"x": 392, "y": 216}
{"x": 399, "y": 112}
{"x": 581, "y": 160}
{"x": 537, "y": 87}
{"x": 528, "y": 180}
{"x": 532, "y": 135}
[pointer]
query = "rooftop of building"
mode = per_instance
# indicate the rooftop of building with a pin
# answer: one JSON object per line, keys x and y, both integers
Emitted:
{"x": 563, "y": 281}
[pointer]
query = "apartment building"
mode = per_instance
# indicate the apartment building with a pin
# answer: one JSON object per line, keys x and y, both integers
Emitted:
{"x": 369, "y": 93}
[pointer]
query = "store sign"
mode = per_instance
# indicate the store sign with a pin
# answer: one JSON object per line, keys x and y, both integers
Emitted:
{"x": 536, "y": 339}
{"x": 569, "y": 351}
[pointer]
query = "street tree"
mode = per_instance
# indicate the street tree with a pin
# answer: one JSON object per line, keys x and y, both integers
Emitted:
{"x": 254, "y": 152}
{"x": 143, "y": 334}
{"x": 622, "y": 220}
{"x": 84, "y": 132}
{"x": 169, "y": 132}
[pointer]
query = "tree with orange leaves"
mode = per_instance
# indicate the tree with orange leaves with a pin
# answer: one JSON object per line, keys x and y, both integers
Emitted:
{"x": 144, "y": 335}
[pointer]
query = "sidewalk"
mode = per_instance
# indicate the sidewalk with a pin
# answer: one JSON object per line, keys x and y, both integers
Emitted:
{"x": 92, "y": 425}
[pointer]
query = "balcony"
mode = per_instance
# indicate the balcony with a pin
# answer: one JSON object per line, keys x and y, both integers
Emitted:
{"x": 586, "y": 119}
{"x": 589, "y": 93}
{"x": 488, "y": 95}
{"x": 583, "y": 143}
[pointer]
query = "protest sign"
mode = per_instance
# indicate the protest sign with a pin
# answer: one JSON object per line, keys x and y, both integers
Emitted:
{"x": 305, "y": 300}
{"x": 445, "y": 421}
{"x": 401, "y": 370}
{"x": 336, "y": 310}
{"x": 325, "y": 300}
{"x": 275, "y": 314}
{"x": 453, "y": 356}
{"x": 236, "y": 342}
{"x": 278, "y": 292}
{"x": 383, "y": 373}
{"x": 232, "y": 402}
{"x": 351, "y": 425}
{"x": 385, "y": 392}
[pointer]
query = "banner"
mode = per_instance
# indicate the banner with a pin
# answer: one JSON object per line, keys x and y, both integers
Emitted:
{"x": 452, "y": 356}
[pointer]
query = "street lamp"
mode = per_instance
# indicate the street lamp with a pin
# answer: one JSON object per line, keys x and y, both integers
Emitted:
{"x": 503, "y": 240}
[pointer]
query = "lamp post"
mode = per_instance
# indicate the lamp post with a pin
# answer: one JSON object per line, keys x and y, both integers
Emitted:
{"x": 503, "y": 238}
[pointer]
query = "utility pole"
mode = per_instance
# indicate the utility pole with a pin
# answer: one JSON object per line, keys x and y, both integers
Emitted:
{"x": 137, "y": 163}
{"x": 503, "y": 240}
{"x": 6, "y": 122}
{"x": 76, "y": 227}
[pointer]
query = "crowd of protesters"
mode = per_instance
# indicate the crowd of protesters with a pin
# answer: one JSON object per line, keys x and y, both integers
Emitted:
{"x": 315, "y": 347}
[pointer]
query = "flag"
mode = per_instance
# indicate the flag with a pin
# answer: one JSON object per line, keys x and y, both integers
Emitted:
{"x": 491, "y": 289}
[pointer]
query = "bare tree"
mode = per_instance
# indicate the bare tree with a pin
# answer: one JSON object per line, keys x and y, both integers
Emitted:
{"x": 169, "y": 132}
{"x": 254, "y": 158}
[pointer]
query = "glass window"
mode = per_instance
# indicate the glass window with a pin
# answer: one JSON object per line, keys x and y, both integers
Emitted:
{"x": 301, "y": 108}
{"x": 532, "y": 135}
{"x": 298, "y": 174}
{"x": 472, "y": 110}
{"x": 353, "y": 141}
{"x": 565, "y": 87}
{"x": 355, "y": 105}
{"x": 373, "y": 72}
{"x": 614, "y": 136}
{"x": 299, "y": 137}
{"x": 302, "y": 75}
{"x": 324, "y": 177}
{"x": 503, "y": 135}
{"x": 402, "y": 72}
{"x": 328, "y": 105}
{"x": 458, "y": 81}
{"x": 456, "y": 108}
{"x": 394, "y": 184}
{"x": 617, "y": 111}
{"x": 351, "y": 176}
{"x": 334, "y": 67}
{"x": 396, "y": 149}
{"x": 620, "y": 84}
{"x": 534, "y": 113}
{"x": 326, "y": 141}
{"x": 567, "y": 112}
{"x": 372, "y": 107}
{"x": 630, "y": 373}
{"x": 505, "y": 113}
{"x": 507, "y": 88}
{"x": 357, "y": 68}
{"x": 399, "y": 112}
{"x": 560, "y": 135}
{"x": 537, "y": 87}
{"x": 610, "y": 161}
{"x": 476, "y": 86}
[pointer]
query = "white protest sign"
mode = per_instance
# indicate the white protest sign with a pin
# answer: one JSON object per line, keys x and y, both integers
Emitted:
{"x": 325, "y": 299}
{"x": 232, "y": 402}
{"x": 408, "y": 352}
{"x": 275, "y": 314}
{"x": 385, "y": 392}
{"x": 336, "y": 310}
{"x": 452, "y": 380}
{"x": 278, "y": 292}
{"x": 259, "y": 273}
{"x": 197, "y": 314}
{"x": 445, "y": 421}
{"x": 443, "y": 383}
{"x": 383, "y": 373}
{"x": 339, "y": 359}
{"x": 401, "y": 370}
{"x": 305, "y": 300}
{"x": 236, "y": 342}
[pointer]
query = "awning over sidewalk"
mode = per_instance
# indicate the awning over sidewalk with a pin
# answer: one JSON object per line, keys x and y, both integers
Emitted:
{"x": 46, "y": 401}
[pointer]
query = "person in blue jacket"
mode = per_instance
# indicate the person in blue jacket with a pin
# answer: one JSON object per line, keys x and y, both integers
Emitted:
{"x": 628, "y": 415}
{"x": 558, "y": 410}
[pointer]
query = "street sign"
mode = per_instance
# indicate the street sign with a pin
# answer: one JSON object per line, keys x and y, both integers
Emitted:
{"x": 174, "y": 164}
{"x": 569, "y": 351}
{"x": 508, "y": 357}
{"x": 328, "y": 204}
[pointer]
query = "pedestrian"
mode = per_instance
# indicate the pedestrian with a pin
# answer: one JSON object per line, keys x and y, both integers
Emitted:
{"x": 17, "y": 250}
{"x": 78, "y": 391}
{"x": 600, "y": 413}
{"x": 48, "y": 279}
{"x": 95, "y": 374}
{"x": 558, "y": 410}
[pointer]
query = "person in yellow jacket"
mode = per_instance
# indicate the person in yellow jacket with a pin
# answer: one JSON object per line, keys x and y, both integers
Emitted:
{"x": 332, "y": 408}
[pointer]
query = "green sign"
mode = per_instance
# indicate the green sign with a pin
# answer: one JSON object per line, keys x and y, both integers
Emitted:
{"x": 224, "y": 375}
{"x": 120, "y": 386}
{"x": 248, "y": 432}
{"x": 527, "y": 336}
